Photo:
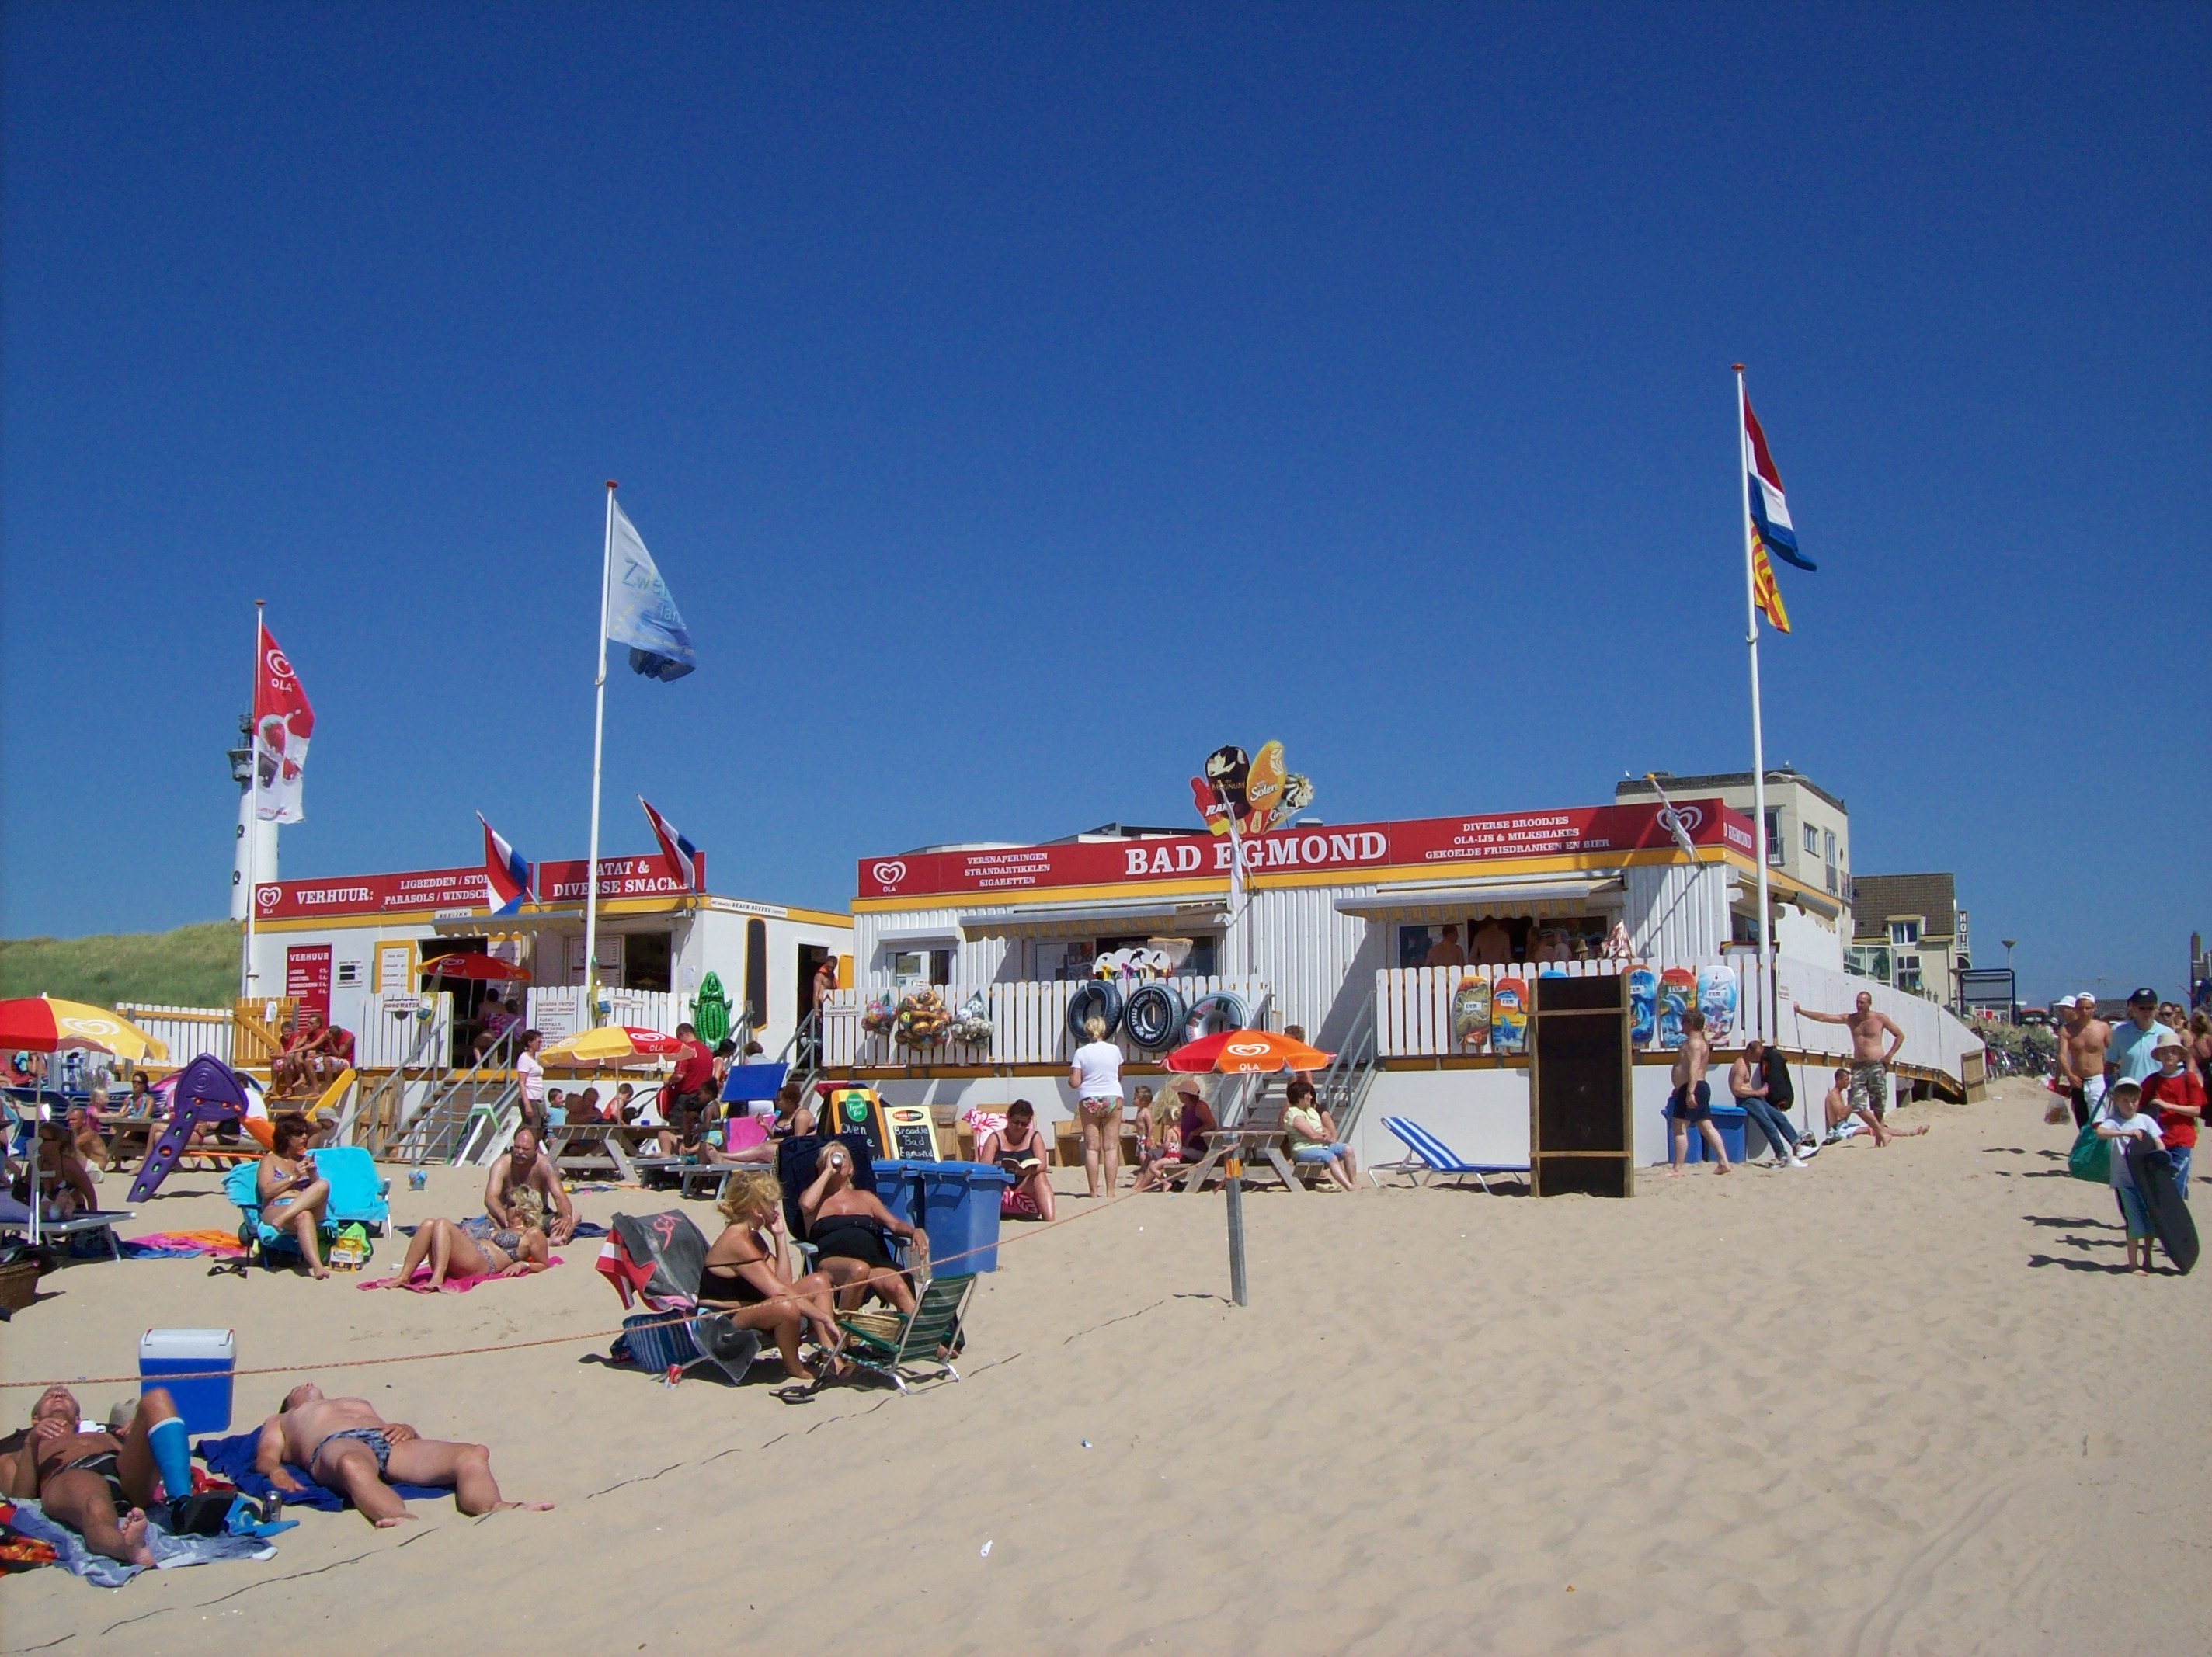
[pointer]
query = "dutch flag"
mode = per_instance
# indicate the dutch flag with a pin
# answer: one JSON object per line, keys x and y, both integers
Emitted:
{"x": 685, "y": 858}
{"x": 507, "y": 877}
{"x": 1770, "y": 512}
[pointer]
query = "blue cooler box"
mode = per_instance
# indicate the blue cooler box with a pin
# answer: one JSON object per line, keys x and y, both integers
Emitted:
{"x": 960, "y": 1212}
{"x": 203, "y": 1401}
{"x": 1729, "y": 1119}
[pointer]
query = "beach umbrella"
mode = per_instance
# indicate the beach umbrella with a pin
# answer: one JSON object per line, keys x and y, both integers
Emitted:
{"x": 1246, "y": 1053}
{"x": 40, "y": 1024}
{"x": 611, "y": 1044}
{"x": 482, "y": 968}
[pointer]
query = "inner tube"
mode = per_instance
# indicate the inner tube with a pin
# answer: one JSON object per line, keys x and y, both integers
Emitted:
{"x": 1096, "y": 1000}
{"x": 1212, "y": 1015}
{"x": 1153, "y": 1017}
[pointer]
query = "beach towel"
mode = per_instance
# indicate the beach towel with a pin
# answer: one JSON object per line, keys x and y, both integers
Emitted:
{"x": 170, "y": 1552}
{"x": 451, "y": 1286}
{"x": 232, "y": 1459}
{"x": 181, "y": 1245}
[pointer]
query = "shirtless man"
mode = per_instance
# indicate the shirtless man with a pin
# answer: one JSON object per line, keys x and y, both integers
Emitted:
{"x": 99, "y": 1483}
{"x": 526, "y": 1167}
{"x": 346, "y": 1446}
{"x": 1870, "y": 1061}
{"x": 2083, "y": 1040}
{"x": 1446, "y": 951}
{"x": 1692, "y": 1098}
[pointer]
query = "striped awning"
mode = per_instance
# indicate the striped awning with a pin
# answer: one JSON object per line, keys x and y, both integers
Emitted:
{"x": 1539, "y": 899}
{"x": 1105, "y": 916}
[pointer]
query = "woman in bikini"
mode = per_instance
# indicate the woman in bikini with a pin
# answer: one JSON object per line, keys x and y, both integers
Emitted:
{"x": 845, "y": 1225}
{"x": 1019, "y": 1149}
{"x": 292, "y": 1197}
{"x": 1159, "y": 1144}
{"x": 452, "y": 1251}
{"x": 743, "y": 1277}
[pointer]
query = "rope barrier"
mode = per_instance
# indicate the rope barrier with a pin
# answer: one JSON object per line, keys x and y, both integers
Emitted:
{"x": 874, "y": 1276}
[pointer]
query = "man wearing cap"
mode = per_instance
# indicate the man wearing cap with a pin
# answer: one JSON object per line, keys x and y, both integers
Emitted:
{"x": 2176, "y": 1098}
{"x": 2083, "y": 1040}
{"x": 2133, "y": 1055}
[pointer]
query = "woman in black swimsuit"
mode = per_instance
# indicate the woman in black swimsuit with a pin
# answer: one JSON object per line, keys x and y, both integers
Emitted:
{"x": 845, "y": 1225}
{"x": 1020, "y": 1149}
{"x": 744, "y": 1277}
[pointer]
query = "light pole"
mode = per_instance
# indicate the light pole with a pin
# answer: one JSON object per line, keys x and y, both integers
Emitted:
{"x": 2014, "y": 998}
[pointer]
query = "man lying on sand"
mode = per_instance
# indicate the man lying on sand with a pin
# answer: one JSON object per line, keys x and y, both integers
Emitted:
{"x": 346, "y": 1446}
{"x": 101, "y": 1484}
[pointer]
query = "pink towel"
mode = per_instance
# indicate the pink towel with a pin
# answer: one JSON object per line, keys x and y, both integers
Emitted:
{"x": 451, "y": 1286}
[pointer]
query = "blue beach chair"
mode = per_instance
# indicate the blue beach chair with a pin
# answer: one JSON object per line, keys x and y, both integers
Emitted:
{"x": 1431, "y": 1158}
{"x": 357, "y": 1197}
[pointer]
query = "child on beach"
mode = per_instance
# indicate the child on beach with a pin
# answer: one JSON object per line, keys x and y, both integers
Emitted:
{"x": 2177, "y": 1098}
{"x": 2123, "y": 1120}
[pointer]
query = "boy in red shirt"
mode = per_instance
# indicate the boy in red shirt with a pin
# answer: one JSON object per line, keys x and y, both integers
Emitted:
{"x": 2176, "y": 1100}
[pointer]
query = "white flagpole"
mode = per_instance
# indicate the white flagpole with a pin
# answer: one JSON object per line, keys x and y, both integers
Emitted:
{"x": 591, "y": 1013}
{"x": 246, "y": 973}
{"x": 1751, "y": 637}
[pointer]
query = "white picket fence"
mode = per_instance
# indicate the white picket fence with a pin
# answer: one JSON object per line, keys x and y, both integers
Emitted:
{"x": 1029, "y": 1023}
{"x": 558, "y": 1013}
{"x": 390, "y": 1025}
{"x": 189, "y": 1032}
{"x": 1414, "y": 1008}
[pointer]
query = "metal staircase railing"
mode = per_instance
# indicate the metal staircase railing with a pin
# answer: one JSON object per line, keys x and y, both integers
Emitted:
{"x": 391, "y": 1091}
{"x": 803, "y": 1053}
{"x": 1345, "y": 1085}
{"x": 464, "y": 1106}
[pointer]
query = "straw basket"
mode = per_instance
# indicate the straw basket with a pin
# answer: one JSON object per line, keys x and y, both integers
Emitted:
{"x": 19, "y": 1284}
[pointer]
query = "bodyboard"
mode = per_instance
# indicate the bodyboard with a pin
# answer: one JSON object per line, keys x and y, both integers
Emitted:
{"x": 1509, "y": 1015}
{"x": 1471, "y": 1015}
{"x": 2170, "y": 1217}
{"x": 1643, "y": 1004}
{"x": 1678, "y": 993}
{"x": 1717, "y": 994}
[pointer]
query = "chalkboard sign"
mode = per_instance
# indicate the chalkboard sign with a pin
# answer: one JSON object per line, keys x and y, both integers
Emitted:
{"x": 857, "y": 1110}
{"x": 913, "y": 1136}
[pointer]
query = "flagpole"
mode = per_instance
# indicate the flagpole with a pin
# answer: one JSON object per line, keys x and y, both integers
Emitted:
{"x": 246, "y": 973}
{"x": 1751, "y": 638}
{"x": 591, "y": 1014}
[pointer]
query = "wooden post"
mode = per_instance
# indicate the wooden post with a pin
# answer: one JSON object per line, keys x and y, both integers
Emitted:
{"x": 1232, "y": 1168}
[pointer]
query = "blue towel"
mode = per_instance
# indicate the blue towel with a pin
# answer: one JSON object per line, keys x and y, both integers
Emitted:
{"x": 169, "y": 1552}
{"x": 232, "y": 1459}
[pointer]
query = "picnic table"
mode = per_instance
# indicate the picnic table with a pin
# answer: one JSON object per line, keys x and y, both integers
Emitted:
{"x": 597, "y": 1148}
{"x": 128, "y": 1135}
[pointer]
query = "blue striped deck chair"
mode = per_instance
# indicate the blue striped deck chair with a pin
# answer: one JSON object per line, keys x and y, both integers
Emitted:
{"x": 1432, "y": 1159}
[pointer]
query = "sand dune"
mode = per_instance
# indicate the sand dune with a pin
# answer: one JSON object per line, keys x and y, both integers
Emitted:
{"x": 1890, "y": 1403}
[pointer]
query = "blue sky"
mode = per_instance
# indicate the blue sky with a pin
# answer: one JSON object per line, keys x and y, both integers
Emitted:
{"x": 1021, "y": 405}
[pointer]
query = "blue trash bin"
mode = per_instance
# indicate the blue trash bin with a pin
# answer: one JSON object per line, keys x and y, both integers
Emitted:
{"x": 897, "y": 1186}
{"x": 959, "y": 1209}
{"x": 1729, "y": 1119}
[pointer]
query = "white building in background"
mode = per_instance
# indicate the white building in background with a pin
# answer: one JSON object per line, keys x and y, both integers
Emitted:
{"x": 342, "y": 946}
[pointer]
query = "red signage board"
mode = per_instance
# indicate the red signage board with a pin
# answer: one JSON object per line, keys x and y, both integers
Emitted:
{"x": 307, "y": 981}
{"x": 456, "y": 889}
{"x": 1359, "y": 850}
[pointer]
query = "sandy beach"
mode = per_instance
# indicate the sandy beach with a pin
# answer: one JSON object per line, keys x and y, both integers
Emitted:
{"x": 1899, "y": 1401}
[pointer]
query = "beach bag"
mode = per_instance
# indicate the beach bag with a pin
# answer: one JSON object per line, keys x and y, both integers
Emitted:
{"x": 2091, "y": 1158}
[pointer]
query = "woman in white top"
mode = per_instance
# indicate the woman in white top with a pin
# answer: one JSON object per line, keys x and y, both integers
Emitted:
{"x": 1095, "y": 1075}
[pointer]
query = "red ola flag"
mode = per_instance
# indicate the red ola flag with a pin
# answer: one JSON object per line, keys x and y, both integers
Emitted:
{"x": 282, "y": 722}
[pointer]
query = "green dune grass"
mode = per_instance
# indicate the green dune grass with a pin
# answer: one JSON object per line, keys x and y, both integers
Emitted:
{"x": 190, "y": 967}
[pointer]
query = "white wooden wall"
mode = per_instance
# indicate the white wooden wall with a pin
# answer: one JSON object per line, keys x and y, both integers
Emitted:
{"x": 390, "y": 1025}
{"x": 1414, "y": 1008}
{"x": 557, "y": 1012}
{"x": 189, "y": 1032}
{"x": 1029, "y": 1023}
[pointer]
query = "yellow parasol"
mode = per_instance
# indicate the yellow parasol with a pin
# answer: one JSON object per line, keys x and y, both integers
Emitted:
{"x": 611, "y": 1044}
{"x": 77, "y": 1024}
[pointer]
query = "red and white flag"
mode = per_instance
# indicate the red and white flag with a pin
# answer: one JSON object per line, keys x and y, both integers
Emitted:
{"x": 282, "y": 722}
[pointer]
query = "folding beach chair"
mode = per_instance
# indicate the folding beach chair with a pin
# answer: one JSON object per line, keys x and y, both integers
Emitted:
{"x": 656, "y": 1258}
{"x": 358, "y": 1196}
{"x": 96, "y": 1224}
{"x": 895, "y": 1347}
{"x": 1431, "y": 1158}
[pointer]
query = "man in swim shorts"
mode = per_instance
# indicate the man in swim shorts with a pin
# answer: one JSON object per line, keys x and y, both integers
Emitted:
{"x": 1692, "y": 1100}
{"x": 101, "y": 1484}
{"x": 346, "y": 1446}
{"x": 1869, "y": 1088}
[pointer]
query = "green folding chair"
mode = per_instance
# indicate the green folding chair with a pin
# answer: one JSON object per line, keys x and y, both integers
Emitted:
{"x": 931, "y": 1337}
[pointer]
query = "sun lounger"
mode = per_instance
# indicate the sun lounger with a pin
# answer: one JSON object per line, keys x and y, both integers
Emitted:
{"x": 1431, "y": 1158}
{"x": 96, "y": 1224}
{"x": 930, "y": 1336}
